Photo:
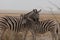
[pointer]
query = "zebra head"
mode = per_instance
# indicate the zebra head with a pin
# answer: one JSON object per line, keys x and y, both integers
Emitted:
{"x": 35, "y": 15}
{"x": 32, "y": 16}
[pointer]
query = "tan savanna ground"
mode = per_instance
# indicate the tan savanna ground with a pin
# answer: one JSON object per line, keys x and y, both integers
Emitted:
{"x": 10, "y": 35}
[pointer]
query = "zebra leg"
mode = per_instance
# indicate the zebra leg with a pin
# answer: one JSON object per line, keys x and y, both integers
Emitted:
{"x": 54, "y": 35}
{"x": 2, "y": 34}
{"x": 56, "y": 31}
{"x": 25, "y": 35}
{"x": 33, "y": 35}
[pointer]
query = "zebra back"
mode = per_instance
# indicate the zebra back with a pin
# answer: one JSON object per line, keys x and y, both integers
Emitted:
{"x": 46, "y": 25}
{"x": 9, "y": 22}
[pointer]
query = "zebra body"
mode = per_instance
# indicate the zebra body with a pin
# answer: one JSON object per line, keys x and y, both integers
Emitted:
{"x": 12, "y": 23}
{"x": 9, "y": 22}
{"x": 48, "y": 25}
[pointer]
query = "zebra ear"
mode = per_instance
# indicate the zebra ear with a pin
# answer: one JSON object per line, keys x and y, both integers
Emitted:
{"x": 24, "y": 21}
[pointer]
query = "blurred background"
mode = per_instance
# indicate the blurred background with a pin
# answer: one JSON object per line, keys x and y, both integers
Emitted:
{"x": 45, "y": 5}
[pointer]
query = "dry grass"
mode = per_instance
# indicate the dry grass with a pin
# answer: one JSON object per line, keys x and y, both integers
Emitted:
{"x": 10, "y": 35}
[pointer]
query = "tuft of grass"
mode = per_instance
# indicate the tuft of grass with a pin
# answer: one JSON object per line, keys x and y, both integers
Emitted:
{"x": 10, "y": 35}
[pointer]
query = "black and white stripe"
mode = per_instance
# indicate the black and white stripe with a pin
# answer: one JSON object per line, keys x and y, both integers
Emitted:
{"x": 12, "y": 23}
{"x": 48, "y": 25}
{"x": 22, "y": 23}
{"x": 9, "y": 22}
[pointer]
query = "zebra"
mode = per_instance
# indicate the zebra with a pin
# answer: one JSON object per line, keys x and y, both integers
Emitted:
{"x": 44, "y": 26}
{"x": 8, "y": 22}
{"x": 31, "y": 18}
{"x": 48, "y": 25}
{"x": 18, "y": 24}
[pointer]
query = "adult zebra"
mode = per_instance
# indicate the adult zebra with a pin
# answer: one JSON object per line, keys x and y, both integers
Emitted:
{"x": 18, "y": 24}
{"x": 8, "y": 22}
{"x": 48, "y": 25}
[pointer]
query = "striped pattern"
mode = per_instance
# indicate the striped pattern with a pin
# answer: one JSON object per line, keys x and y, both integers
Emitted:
{"x": 12, "y": 23}
{"x": 9, "y": 22}
{"x": 48, "y": 25}
{"x": 23, "y": 23}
